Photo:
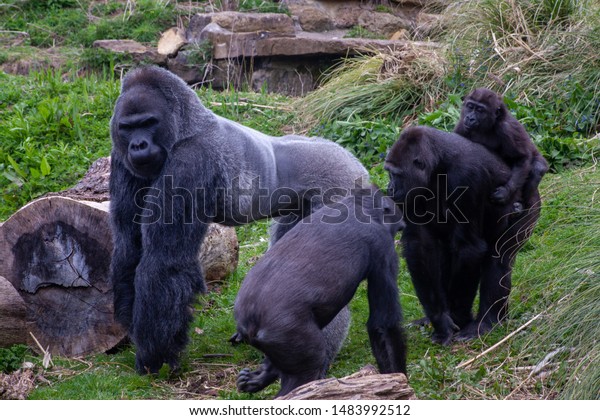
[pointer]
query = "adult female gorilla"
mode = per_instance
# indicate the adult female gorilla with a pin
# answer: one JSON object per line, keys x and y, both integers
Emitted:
{"x": 456, "y": 239}
{"x": 176, "y": 167}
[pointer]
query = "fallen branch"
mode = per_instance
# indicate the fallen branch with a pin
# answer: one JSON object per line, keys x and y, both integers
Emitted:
{"x": 366, "y": 384}
{"x": 499, "y": 343}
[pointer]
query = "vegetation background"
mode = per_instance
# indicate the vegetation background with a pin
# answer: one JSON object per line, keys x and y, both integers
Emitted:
{"x": 543, "y": 55}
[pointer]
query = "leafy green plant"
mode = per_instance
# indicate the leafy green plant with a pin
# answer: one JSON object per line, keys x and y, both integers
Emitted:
{"x": 368, "y": 139}
{"x": 199, "y": 54}
{"x": 12, "y": 358}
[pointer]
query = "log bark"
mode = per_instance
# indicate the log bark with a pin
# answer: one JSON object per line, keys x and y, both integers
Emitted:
{"x": 55, "y": 252}
{"x": 366, "y": 384}
{"x": 12, "y": 315}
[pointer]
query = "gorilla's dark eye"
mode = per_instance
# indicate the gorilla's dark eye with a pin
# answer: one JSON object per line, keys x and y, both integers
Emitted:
{"x": 419, "y": 163}
{"x": 148, "y": 122}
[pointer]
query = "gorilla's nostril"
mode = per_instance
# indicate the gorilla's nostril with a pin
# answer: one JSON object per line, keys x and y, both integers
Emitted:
{"x": 138, "y": 146}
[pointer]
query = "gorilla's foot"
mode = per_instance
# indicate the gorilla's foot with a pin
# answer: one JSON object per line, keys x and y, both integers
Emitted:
{"x": 254, "y": 381}
{"x": 473, "y": 330}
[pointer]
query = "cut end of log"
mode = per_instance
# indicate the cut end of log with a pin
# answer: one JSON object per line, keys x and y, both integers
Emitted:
{"x": 56, "y": 254}
{"x": 366, "y": 384}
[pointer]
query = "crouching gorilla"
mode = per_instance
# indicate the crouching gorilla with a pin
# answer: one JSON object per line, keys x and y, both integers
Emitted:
{"x": 176, "y": 167}
{"x": 306, "y": 278}
{"x": 455, "y": 238}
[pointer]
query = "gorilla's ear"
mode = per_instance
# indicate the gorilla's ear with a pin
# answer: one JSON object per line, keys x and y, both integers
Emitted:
{"x": 462, "y": 98}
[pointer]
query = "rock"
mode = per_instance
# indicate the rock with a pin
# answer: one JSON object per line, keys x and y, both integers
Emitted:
{"x": 219, "y": 254}
{"x": 285, "y": 76}
{"x": 427, "y": 24}
{"x": 238, "y": 22}
{"x": 255, "y": 22}
{"x": 346, "y": 17}
{"x": 383, "y": 23}
{"x": 171, "y": 42}
{"x": 137, "y": 51}
{"x": 401, "y": 34}
{"x": 312, "y": 16}
{"x": 185, "y": 68}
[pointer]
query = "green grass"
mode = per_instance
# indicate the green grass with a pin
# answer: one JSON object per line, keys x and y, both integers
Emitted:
{"x": 79, "y": 23}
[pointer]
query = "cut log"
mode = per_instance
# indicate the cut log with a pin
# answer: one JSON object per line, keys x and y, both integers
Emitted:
{"x": 12, "y": 315}
{"x": 366, "y": 384}
{"x": 56, "y": 251}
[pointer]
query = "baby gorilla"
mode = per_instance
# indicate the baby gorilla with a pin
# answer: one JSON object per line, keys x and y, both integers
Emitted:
{"x": 308, "y": 276}
{"x": 485, "y": 119}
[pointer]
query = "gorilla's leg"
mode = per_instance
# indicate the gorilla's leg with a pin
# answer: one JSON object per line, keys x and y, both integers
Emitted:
{"x": 426, "y": 261}
{"x": 127, "y": 239}
{"x": 335, "y": 333}
{"x": 257, "y": 380}
{"x": 493, "y": 298}
{"x": 467, "y": 256}
{"x": 162, "y": 309}
{"x": 296, "y": 354}
{"x": 386, "y": 335}
{"x": 281, "y": 225}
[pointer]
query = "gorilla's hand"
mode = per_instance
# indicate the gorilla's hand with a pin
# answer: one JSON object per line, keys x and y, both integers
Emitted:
{"x": 500, "y": 195}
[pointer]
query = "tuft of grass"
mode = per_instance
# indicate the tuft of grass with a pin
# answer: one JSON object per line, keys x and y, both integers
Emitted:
{"x": 542, "y": 49}
{"x": 563, "y": 350}
{"x": 358, "y": 31}
{"x": 374, "y": 86}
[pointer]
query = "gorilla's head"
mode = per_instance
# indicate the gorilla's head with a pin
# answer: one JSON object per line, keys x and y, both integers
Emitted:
{"x": 155, "y": 110}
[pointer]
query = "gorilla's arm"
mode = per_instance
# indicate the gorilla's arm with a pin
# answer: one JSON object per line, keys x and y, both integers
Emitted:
{"x": 126, "y": 238}
{"x": 169, "y": 275}
{"x": 516, "y": 149}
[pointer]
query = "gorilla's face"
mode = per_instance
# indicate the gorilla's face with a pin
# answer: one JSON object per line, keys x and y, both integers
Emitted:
{"x": 407, "y": 167}
{"x": 480, "y": 110}
{"x": 141, "y": 132}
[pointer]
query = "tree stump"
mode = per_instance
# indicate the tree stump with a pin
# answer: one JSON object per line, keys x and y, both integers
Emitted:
{"x": 56, "y": 252}
{"x": 366, "y": 384}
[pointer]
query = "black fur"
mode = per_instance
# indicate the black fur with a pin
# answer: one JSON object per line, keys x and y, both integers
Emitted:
{"x": 176, "y": 166}
{"x": 455, "y": 238}
{"x": 306, "y": 278}
{"x": 485, "y": 119}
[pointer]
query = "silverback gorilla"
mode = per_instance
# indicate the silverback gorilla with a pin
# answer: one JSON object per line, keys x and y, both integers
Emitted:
{"x": 306, "y": 278}
{"x": 176, "y": 166}
{"x": 485, "y": 119}
{"x": 455, "y": 238}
